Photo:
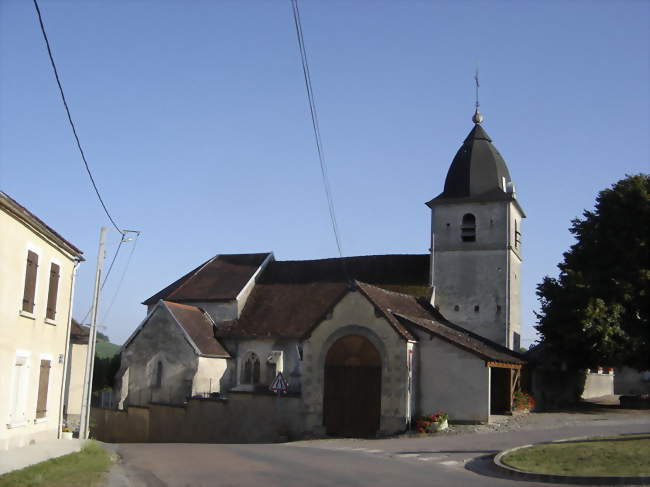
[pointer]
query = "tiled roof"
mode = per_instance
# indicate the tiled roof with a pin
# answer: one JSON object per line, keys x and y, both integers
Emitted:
{"x": 292, "y": 297}
{"x": 218, "y": 279}
{"x": 79, "y": 333}
{"x": 199, "y": 328}
{"x": 24, "y": 214}
{"x": 456, "y": 335}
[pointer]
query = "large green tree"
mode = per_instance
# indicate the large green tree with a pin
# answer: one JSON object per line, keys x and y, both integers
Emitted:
{"x": 596, "y": 312}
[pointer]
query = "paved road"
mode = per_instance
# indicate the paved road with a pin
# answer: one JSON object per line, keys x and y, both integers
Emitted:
{"x": 448, "y": 460}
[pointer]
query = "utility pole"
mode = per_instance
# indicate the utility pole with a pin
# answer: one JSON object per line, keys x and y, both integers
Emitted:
{"x": 92, "y": 338}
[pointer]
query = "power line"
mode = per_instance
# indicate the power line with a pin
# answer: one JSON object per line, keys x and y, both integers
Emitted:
{"x": 315, "y": 125}
{"x": 119, "y": 284}
{"x": 67, "y": 110}
{"x": 108, "y": 273}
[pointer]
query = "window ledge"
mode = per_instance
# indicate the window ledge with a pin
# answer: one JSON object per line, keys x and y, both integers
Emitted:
{"x": 26, "y": 314}
{"x": 40, "y": 420}
{"x": 16, "y": 425}
{"x": 50, "y": 322}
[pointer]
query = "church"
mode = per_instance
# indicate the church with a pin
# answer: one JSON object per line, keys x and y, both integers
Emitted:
{"x": 361, "y": 345}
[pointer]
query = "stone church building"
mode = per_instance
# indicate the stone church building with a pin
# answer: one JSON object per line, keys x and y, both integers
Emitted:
{"x": 365, "y": 343}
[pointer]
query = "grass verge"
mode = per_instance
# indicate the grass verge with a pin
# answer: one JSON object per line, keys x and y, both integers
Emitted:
{"x": 612, "y": 455}
{"x": 81, "y": 469}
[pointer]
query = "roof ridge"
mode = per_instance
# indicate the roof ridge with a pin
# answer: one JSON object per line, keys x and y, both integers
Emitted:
{"x": 347, "y": 257}
{"x": 386, "y": 290}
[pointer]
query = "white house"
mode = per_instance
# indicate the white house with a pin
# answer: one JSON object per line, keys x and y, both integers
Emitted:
{"x": 36, "y": 289}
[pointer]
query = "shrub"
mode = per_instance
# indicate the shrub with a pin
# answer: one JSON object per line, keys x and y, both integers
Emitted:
{"x": 523, "y": 401}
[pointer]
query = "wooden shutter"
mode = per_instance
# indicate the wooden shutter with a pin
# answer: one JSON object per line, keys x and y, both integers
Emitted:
{"x": 30, "y": 281}
{"x": 43, "y": 382}
{"x": 53, "y": 291}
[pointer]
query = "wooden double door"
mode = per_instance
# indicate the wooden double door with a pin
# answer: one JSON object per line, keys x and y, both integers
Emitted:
{"x": 352, "y": 395}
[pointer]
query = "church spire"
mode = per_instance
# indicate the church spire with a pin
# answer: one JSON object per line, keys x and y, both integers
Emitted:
{"x": 477, "y": 117}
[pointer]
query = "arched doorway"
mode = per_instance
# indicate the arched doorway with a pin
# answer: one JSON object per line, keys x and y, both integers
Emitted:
{"x": 352, "y": 396}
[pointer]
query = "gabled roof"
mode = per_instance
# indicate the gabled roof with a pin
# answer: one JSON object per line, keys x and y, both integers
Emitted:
{"x": 200, "y": 328}
{"x": 292, "y": 297}
{"x": 21, "y": 213}
{"x": 220, "y": 278}
{"x": 196, "y": 325}
{"x": 438, "y": 325}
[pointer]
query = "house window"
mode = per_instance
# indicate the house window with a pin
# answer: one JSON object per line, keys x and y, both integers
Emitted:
{"x": 251, "y": 370}
{"x": 18, "y": 398}
{"x": 30, "y": 282}
{"x": 468, "y": 228}
{"x": 43, "y": 383}
{"x": 159, "y": 375}
{"x": 53, "y": 291}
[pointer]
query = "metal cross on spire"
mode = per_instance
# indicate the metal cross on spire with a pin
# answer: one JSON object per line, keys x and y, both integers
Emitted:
{"x": 477, "y": 117}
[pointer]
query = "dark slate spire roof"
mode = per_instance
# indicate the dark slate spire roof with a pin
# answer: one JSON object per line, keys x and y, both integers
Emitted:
{"x": 477, "y": 171}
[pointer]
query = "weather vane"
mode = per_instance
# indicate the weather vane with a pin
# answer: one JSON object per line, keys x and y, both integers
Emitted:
{"x": 477, "y": 118}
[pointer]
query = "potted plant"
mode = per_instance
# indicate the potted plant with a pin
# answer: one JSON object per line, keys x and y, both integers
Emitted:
{"x": 523, "y": 402}
{"x": 432, "y": 423}
{"x": 66, "y": 433}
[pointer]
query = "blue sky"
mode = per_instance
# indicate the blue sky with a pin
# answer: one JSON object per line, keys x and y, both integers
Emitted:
{"x": 194, "y": 119}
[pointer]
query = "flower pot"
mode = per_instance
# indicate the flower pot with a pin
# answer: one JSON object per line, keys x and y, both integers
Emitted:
{"x": 442, "y": 425}
{"x": 66, "y": 435}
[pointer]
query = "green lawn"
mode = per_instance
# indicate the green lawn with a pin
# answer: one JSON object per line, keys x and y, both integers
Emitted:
{"x": 613, "y": 455}
{"x": 83, "y": 469}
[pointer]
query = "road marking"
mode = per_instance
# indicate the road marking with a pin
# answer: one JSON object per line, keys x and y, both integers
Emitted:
{"x": 449, "y": 463}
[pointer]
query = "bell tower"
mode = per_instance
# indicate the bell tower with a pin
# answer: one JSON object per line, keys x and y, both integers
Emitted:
{"x": 476, "y": 250}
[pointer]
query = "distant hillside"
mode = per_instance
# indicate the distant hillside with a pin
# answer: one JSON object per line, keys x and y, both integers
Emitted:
{"x": 105, "y": 349}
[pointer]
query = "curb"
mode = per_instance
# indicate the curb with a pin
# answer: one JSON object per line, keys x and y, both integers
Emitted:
{"x": 565, "y": 479}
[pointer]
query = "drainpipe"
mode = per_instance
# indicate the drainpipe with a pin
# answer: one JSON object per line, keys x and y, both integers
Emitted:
{"x": 432, "y": 260}
{"x": 66, "y": 357}
{"x": 508, "y": 276}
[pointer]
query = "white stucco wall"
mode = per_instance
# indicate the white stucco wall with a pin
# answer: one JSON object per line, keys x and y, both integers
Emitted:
{"x": 452, "y": 380}
{"x": 75, "y": 377}
{"x": 263, "y": 347}
{"x": 355, "y": 315}
{"x": 209, "y": 374}
{"x": 31, "y": 335}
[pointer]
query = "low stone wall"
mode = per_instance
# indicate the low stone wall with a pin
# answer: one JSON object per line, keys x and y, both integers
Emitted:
{"x": 242, "y": 418}
{"x": 597, "y": 385}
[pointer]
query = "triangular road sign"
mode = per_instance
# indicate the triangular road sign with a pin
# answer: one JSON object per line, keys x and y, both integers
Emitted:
{"x": 279, "y": 383}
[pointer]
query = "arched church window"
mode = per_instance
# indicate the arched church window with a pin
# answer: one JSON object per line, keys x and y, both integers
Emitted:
{"x": 251, "y": 373}
{"x": 159, "y": 374}
{"x": 468, "y": 228}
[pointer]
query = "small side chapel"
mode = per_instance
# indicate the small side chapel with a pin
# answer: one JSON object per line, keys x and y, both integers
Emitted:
{"x": 365, "y": 343}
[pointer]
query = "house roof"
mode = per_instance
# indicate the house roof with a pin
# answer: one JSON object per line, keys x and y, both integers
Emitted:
{"x": 199, "y": 327}
{"x": 21, "y": 213}
{"x": 218, "y": 279}
{"x": 438, "y": 325}
{"x": 291, "y": 297}
{"x": 79, "y": 333}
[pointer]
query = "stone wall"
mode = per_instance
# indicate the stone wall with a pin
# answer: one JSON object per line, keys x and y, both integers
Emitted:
{"x": 597, "y": 385}
{"x": 242, "y": 418}
{"x": 355, "y": 315}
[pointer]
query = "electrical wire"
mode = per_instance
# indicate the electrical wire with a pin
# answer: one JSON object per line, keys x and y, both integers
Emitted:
{"x": 72, "y": 125}
{"x": 315, "y": 125}
{"x": 108, "y": 273}
{"x": 119, "y": 284}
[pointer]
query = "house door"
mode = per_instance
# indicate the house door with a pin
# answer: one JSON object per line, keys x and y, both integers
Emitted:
{"x": 352, "y": 396}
